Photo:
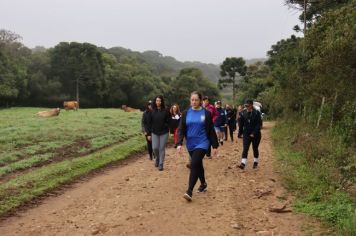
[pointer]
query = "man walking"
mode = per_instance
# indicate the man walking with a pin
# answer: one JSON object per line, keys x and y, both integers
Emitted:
{"x": 250, "y": 131}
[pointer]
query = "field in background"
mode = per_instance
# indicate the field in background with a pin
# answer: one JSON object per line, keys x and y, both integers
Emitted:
{"x": 38, "y": 154}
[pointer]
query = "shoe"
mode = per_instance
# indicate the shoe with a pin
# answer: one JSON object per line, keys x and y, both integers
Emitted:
{"x": 202, "y": 188}
{"x": 160, "y": 168}
{"x": 188, "y": 165}
{"x": 188, "y": 196}
{"x": 156, "y": 164}
{"x": 221, "y": 143}
{"x": 255, "y": 165}
{"x": 242, "y": 166}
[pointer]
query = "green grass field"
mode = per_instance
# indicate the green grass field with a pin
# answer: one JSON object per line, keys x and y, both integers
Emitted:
{"x": 39, "y": 154}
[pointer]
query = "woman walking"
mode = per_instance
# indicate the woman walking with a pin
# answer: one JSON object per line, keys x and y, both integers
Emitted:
{"x": 197, "y": 128}
{"x": 173, "y": 126}
{"x": 157, "y": 130}
{"x": 144, "y": 124}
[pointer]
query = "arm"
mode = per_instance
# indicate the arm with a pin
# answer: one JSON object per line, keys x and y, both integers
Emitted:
{"x": 211, "y": 131}
{"x": 257, "y": 128}
{"x": 182, "y": 129}
{"x": 241, "y": 125}
{"x": 148, "y": 124}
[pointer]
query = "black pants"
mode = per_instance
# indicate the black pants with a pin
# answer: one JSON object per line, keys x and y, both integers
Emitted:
{"x": 149, "y": 147}
{"x": 247, "y": 140}
{"x": 196, "y": 168}
{"x": 208, "y": 152}
{"x": 232, "y": 128}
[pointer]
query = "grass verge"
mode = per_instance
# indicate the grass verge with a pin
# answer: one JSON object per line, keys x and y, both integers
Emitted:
{"x": 313, "y": 180}
{"x": 27, "y": 187}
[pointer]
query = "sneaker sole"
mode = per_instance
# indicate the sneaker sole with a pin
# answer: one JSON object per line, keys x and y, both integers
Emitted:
{"x": 201, "y": 191}
{"x": 187, "y": 197}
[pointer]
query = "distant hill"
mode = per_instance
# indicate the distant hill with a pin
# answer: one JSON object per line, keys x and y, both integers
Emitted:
{"x": 167, "y": 65}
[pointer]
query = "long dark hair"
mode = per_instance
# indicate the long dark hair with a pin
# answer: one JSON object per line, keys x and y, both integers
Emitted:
{"x": 154, "y": 105}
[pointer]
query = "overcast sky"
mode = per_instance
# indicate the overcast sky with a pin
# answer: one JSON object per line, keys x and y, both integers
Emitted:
{"x": 194, "y": 30}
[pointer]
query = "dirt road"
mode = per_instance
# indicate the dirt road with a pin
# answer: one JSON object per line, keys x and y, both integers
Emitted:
{"x": 136, "y": 199}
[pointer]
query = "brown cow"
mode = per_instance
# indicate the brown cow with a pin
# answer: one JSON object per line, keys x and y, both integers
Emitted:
{"x": 54, "y": 112}
{"x": 71, "y": 105}
{"x": 129, "y": 109}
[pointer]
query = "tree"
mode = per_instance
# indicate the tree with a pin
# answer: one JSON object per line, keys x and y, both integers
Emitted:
{"x": 232, "y": 68}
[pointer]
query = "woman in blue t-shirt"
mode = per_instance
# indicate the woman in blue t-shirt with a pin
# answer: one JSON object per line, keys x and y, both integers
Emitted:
{"x": 197, "y": 128}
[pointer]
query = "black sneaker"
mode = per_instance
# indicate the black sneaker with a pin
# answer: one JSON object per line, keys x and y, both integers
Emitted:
{"x": 242, "y": 166}
{"x": 255, "y": 165}
{"x": 188, "y": 196}
{"x": 160, "y": 168}
{"x": 156, "y": 163}
{"x": 202, "y": 188}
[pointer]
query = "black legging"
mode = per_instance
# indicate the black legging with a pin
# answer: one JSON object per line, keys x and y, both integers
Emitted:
{"x": 196, "y": 169}
{"x": 247, "y": 140}
{"x": 149, "y": 147}
{"x": 232, "y": 128}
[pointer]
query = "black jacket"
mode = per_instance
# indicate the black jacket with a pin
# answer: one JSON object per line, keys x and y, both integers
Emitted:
{"x": 158, "y": 122}
{"x": 144, "y": 120}
{"x": 231, "y": 116}
{"x": 174, "y": 123}
{"x": 209, "y": 128}
{"x": 250, "y": 123}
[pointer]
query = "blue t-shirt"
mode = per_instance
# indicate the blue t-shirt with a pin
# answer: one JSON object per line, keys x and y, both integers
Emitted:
{"x": 196, "y": 132}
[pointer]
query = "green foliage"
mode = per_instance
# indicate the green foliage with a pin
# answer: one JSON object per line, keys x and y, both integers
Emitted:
{"x": 105, "y": 77}
{"x": 230, "y": 69}
{"x": 315, "y": 180}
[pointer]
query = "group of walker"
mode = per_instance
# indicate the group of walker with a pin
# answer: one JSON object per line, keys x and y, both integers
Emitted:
{"x": 203, "y": 126}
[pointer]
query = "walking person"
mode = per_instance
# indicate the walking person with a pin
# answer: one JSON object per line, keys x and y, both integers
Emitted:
{"x": 144, "y": 124}
{"x": 220, "y": 122}
{"x": 197, "y": 128}
{"x": 214, "y": 114}
{"x": 231, "y": 122}
{"x": 250, "y": 131}
{"x": 158, "y": 129}
{"x": 175, "y": 119}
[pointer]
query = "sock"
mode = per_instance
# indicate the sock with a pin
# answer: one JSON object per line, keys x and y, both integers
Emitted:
{"x": 255, "y": 160}
{"x": 244, "y": 160}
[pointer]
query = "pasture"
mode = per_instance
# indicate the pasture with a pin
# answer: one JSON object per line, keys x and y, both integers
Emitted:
{"x": 39, "y": 154}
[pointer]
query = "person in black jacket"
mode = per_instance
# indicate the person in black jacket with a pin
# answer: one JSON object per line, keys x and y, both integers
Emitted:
{"x": 197, "y": 128}
{"x": 250, "y": 129}
{"x": 220, "y": 122}
{"x": 231, "y": 121}
{"x": 157, "y": 130}
{"x": 144, "y": 123}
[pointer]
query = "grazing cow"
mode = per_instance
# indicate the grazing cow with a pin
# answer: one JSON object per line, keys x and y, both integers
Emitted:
{"x": 71, "y": 105}
{"x": 129, "y": 109}
{"x": 54, "y": 112}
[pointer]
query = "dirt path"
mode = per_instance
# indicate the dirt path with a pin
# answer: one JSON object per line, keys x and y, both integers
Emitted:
{"x": 136, "y": 199}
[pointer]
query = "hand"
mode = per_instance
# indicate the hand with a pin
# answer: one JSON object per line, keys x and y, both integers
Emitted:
{"x": 149, "y": 138}
{"x": 179, "y": 149}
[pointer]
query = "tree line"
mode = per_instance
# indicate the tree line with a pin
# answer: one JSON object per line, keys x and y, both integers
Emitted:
{"x": 103, "y": 77}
